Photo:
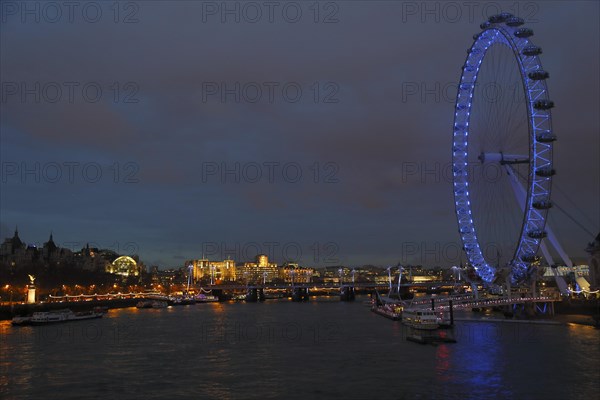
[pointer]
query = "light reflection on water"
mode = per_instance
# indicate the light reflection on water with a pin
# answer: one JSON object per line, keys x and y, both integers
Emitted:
{"x": 283, "y": 349}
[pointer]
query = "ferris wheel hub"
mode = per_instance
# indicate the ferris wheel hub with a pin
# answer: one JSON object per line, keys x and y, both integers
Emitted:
{"x": 502, "y": 159}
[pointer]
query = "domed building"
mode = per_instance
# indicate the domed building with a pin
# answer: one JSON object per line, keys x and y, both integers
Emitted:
{"x": 124, "y": 265}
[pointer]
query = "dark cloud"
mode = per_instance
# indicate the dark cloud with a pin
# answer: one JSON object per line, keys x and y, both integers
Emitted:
{"x": 371, "y": 134}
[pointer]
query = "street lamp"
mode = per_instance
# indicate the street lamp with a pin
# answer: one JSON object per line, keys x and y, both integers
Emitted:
{"x": 190, "y": 270}
{"x": 454, "y": 269}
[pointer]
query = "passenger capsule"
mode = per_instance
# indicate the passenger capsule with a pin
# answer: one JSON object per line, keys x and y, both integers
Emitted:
{"x": 523, "y": 33}
{"x": 537, "y": 234}
{"x": 538, "y": 75}
{"x": 545, "y": 172}
{"x": 546, "y": 137}
{"x": 514, "y": 21}
{"x": 543, "y": 104}
{"x": 498, "y": 18}
{"x": 542, "y": 205}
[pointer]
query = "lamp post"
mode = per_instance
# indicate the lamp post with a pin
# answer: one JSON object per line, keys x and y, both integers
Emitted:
{"x": 190, "y": 270}
{"x": 10, "y": 291}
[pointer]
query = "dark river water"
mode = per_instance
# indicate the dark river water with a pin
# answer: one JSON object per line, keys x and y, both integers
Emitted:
{"x": 323, "y": 349}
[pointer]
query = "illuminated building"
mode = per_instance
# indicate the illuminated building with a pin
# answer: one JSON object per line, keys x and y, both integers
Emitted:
{"x": 124, "y": 265}
{"x": 292, "y": 272}
{"x": 258, "y": 271}
{"x": 213, "y": 271}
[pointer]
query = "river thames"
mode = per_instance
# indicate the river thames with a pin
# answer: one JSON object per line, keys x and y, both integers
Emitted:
{"x": 322, "y": 349}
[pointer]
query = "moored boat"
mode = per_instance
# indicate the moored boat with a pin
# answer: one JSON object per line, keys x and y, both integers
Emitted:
{"x": 182, "y": 301}
{"x": 422, "y": 318}
{"x": 391, "y": 311}
{"x": 159, "y": 304}
{"x": 49, "y": 317}
{"x": 144, "y": 304}
{"x": 21, "y": 320}
{"x": 202, "y": 298}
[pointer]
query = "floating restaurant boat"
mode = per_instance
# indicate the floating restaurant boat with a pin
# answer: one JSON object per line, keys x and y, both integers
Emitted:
{"x": 202, "y": 298}
{"x": 50, "y": 317}
{"x": 386, "y": 307}
{"x": 391, "y": 311}
{"x": 422, "y": 318}
{"x": 182, "y": 301}
{"x": 151, "y": 304}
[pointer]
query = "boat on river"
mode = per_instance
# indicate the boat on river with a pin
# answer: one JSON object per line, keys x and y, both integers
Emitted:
{"x": 422, "y": 318}
{"x": 151, "y": 304}
{"x": 203, "y": 298}
{"x": 392, "y": 311}
{"x": 55, "y": 316}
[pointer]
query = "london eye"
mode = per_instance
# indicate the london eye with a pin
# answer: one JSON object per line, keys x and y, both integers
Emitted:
{"x": 502, "y": 150}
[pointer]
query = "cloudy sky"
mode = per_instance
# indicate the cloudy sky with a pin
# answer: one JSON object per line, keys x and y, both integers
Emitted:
{"x": 312, "y": 131}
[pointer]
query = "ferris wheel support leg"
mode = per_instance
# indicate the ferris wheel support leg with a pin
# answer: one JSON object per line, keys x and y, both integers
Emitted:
{"x": 558, "y": 247}
{"x": 519, "y": 190}
{"x": 521, "y": 196}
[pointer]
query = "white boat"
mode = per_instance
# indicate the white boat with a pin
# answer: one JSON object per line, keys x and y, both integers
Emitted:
{"x": 202, "y": 298}
{"x": 49, "y": 317}
{"x": 422, "y": 318}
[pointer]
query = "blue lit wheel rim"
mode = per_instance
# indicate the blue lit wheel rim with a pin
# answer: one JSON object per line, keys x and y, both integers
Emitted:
{"x": 505, "y": 30}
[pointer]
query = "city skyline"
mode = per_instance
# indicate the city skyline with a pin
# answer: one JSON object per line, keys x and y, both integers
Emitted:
{"x": 428, "y": 257}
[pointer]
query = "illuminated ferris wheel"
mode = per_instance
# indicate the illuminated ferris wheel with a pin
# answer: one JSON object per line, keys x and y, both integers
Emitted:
{"x": 502, "y": 150}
